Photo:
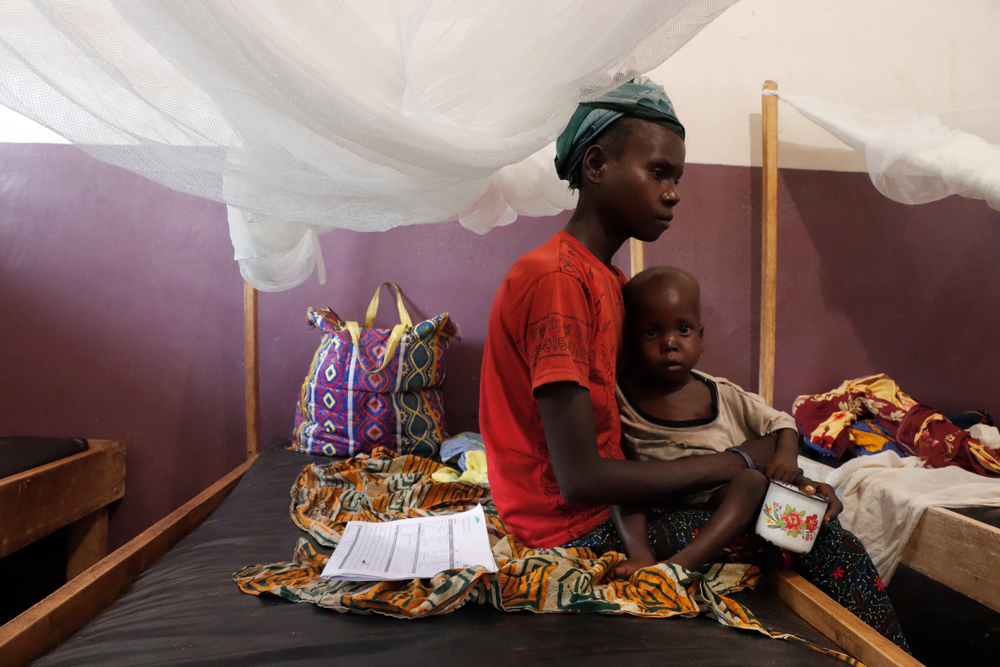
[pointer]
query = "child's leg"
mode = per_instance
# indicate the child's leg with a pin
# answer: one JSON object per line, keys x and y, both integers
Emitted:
{"x": 631, "y": 526}
{"x": 739, "y": 504}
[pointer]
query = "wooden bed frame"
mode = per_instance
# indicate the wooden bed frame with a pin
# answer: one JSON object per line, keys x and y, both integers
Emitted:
{"x": 952, "y": 549}
{"x": 939, "y": 535}
{"x": 78, "y": 489}
{"x": 74, "y": 492}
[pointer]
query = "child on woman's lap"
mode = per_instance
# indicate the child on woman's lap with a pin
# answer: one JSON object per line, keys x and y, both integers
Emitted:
{"x": 548, "y": 411}
{"x": 670, "y": 412}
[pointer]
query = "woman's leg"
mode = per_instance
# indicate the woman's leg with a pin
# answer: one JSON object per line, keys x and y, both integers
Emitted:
{"x": 840, "y": 567}
{"x": 837, "y": 564}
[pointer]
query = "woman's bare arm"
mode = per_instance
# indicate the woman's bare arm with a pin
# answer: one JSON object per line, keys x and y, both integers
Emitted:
{"x": 584, "y": 476}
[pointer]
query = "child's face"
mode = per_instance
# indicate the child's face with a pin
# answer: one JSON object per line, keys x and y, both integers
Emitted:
{"x": 666, "y": 334}
{"x": 640, "y": 186}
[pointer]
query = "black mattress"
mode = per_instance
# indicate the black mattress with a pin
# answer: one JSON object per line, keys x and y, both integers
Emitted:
{"x": 19, "y": 453}
{"x": 186, "y": 610}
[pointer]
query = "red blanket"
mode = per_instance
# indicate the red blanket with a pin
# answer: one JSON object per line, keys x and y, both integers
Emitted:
{"x": 920, "y": 431}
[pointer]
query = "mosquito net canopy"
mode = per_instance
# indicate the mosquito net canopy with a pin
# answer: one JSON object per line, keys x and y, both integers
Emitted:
{"x": 915, "y": 157}
{"x": 305, "y": 115}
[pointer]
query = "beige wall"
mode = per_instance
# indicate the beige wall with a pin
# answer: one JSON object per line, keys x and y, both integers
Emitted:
{"x": 932, "y": 55}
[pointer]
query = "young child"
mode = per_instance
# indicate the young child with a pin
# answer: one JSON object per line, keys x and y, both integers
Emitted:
{"x": 669, "y": 412}
{"x": 548, "y": 411}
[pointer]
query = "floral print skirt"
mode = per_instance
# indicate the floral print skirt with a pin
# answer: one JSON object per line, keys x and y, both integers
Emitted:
{"x": 837, "y": 564}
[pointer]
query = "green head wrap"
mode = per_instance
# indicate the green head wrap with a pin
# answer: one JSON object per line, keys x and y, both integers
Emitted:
{"x": 640, "y": 97}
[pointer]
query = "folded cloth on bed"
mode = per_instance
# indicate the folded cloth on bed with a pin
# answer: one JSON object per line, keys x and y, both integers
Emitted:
{"x": 383, "y": 487}
{"x": 867, "y": 437}
{"x": 920, "y": 431}
{"x": 885, "y": 494}
{"x": 454, "y": 447}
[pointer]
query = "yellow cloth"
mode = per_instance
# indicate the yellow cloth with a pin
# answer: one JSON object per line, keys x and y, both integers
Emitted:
{"x": 475, "y": 464}
{"x": 445, "y": 475}
{"x": 475, "y": 473}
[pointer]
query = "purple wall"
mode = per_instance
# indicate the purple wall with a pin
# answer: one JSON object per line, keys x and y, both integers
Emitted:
{"x": 120, "y": 318}
{"x": 440, "y": 268}
{"x": 865, "y": 285}
{"x": 121, "y": 308}
{"x": 715, "y": 238}
{"x": 868, "y": 286}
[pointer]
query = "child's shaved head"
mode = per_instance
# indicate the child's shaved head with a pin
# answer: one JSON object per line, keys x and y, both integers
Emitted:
{"x": 659, "y": 279}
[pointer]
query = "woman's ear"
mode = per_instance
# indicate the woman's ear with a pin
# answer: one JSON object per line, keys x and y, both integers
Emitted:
{"x": 593, "y": 164}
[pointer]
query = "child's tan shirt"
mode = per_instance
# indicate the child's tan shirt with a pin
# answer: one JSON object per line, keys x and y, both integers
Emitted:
{"x": 739, "y": 415}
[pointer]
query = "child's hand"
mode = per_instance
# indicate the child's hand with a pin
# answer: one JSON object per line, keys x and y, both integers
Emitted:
{"x": 785, "y": 464}
{"x": 625, "y": 570}
{"x": 810, "y": 488}
{"x": 784, "y": 467}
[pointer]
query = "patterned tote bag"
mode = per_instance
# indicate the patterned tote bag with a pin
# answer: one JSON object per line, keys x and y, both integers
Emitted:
{"x": 370, "y": 388}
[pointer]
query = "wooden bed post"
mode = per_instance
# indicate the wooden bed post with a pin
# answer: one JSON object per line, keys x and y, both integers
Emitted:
{"x": 769, "y": 243}
{"x": 638, "y": 260}
{"x": 251, "y": 351}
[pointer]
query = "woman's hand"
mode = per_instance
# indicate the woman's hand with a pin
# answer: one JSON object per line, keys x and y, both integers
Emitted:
{"x": 811, "y": 488}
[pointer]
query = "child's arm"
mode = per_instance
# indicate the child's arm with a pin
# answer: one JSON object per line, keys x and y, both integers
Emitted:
{"x": 630, "y": 523}
{"x": 584, "y": 476}
{"x": 785, "y": 464}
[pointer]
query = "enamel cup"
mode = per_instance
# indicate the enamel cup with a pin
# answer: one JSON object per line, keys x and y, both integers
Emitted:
{"x": 789, "y": 518}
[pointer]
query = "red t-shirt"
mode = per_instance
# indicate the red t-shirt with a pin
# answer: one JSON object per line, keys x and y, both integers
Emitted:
{"x": 557, "y": 316}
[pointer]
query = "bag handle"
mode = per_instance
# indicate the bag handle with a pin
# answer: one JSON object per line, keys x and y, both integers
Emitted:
{"x": 394, "y": 337}
{"x": 404, "y": 316}
{"x": 390, "y": 346}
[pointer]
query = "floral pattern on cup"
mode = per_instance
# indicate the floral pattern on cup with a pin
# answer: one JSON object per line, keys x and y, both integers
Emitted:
{"x": 791, "y": 521}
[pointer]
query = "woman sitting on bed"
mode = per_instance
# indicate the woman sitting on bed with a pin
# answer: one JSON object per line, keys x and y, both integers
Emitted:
{"x": 548, "y": 411}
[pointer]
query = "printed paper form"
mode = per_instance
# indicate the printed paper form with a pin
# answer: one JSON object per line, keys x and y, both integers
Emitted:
{"x": 411, "y": 548}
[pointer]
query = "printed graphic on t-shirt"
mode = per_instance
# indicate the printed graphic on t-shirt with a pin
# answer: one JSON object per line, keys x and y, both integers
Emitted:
{"x": 557, "y": 335}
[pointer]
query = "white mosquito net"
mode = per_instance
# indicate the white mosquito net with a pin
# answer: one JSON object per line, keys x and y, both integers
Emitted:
{"x": 915, "y": 157}
{"x": 307, "y": 115}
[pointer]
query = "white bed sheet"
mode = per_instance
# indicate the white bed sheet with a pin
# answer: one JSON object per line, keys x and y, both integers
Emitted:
{"x": 884, "y": 496}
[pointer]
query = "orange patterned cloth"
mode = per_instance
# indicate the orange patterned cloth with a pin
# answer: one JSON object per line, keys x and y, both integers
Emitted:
{"x": 920, "y": 431}
{"x": 383, "y": 486}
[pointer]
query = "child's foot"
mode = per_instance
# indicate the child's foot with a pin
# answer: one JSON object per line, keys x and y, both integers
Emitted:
{"x": 632, "y": 565}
